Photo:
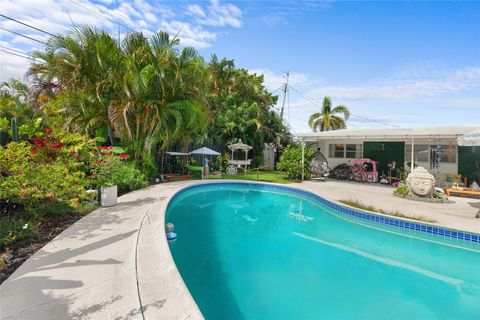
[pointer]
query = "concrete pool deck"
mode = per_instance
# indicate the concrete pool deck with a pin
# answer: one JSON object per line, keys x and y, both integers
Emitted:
{"x": 115, "y": 262}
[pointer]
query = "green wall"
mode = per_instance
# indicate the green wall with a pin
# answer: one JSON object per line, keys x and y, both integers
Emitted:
{"x": 385, "y": 153}
{"x": 469, "y": 163}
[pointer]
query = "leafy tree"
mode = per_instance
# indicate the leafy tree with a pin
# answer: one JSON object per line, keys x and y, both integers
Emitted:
{"x": 13, "y": 101}
{"x": 291, "y": 162}
{"x": 243, "y": 110}
{"x": 327, "y": 119}
{"x": 143, "y": 91}
{"x": 148, "y": 94}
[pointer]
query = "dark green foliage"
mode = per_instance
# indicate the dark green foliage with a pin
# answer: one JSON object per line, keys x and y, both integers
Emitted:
{"x": 291, "y": 162}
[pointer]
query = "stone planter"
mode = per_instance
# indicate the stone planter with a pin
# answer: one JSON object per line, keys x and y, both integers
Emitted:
{"x": 108, "y": 196}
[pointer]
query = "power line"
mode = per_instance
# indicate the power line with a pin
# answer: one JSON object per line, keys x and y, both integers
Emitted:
{"x": 27, "y": 25}
{"x": 373, "y": 120}
{"x": 18, "y": 55}
{"x": 22, "y": 35}
{"x": 16, "y": 50}
{"x": 281, "y": 87}
{"x": 314, "y": 102}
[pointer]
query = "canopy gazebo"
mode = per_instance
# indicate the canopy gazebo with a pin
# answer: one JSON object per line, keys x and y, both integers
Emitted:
{"x": 234, "y": 165}
{"x": 205, "y": 152}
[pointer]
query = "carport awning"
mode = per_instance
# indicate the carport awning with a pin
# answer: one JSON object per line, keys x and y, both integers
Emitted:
{"x": 470, "y": 139}
{"x": 390, "y": 134}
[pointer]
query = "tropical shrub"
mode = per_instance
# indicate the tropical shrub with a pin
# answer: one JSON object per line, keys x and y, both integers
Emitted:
{"x": 112, "y": 170}
{"x": 257, "y": 161}
{"x": 291, "y": 162}
{"x": 402, "y": 190}
{"x": 40, "y": 179}
{"x": 221, "y": 162}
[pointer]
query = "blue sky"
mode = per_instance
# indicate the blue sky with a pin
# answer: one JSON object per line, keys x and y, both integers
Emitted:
{"x": 394, "y": 63}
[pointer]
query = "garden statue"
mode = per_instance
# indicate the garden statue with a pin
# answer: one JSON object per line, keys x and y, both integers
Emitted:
{"x": 421, "y": 183}
{"x": 206, "y": 168}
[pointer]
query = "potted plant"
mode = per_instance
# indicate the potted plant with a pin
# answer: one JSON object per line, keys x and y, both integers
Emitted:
{"x": 106, "y": 184}
{"x": 104, "y": 173}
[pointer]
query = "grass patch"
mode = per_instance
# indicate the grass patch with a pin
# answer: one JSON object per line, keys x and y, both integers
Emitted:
{"x": 360, "y": 205}
{"x": 263, "y": 176}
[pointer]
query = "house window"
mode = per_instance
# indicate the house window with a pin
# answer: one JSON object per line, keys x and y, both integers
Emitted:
{"x": 336, "y": 151}
{"x": 345, "y": 151}
{"x": 443, "y": 153}
{"x": 421, "y": 152}
{"x": 353, "y": 151}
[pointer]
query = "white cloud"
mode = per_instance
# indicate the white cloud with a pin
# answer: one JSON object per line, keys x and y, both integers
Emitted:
{"x": 409, "y": 85}
{"x": 196, "y": 10}
{"x": 12, "y": 68}
{"x": 190, "y": 35}
{"x": 217, "y": 14}
{"x": 275, "y": 80}
{"x": 114, "y": 16}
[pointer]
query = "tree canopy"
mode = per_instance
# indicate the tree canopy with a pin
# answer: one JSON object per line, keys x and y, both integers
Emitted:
{"x": 327, "y": 118}
{"x": 145, "y": 93}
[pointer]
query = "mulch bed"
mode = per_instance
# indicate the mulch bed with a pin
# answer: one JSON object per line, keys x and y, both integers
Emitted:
{"x": 23, "y": 249}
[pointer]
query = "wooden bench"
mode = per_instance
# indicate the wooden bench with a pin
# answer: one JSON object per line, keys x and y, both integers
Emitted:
{"x": 463, "y": 191}
{"x": 170, "y": 177}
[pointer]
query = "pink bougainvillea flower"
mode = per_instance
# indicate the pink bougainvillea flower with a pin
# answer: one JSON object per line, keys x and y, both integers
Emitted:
{"x": 58, "y": 145}
{"x": 48, "y": 130}
{"x": 34, "y": 151}
{"x": 96, "y": 163}
{"x": 123, "y": 156}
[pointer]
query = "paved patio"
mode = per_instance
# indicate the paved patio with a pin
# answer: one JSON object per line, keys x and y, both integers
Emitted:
{"x": 458, "y": 215}
{"x": 115, "y": 263}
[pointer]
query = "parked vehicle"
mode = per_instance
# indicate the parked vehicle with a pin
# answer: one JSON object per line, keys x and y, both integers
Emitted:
{"x": 363, "y": 170}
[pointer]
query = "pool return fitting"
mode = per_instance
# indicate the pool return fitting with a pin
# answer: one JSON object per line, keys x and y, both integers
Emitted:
{"x": 171, "y": 236}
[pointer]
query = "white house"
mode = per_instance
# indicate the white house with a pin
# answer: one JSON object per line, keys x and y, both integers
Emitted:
{"x": 435, "y": 148}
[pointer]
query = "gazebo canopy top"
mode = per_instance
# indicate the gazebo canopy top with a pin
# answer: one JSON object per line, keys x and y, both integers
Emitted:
{"x": 239, "y": 146}
{"x": 205, "y": 151}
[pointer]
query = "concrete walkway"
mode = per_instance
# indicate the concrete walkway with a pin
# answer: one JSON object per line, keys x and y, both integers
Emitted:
{"x": 115, "y": 263}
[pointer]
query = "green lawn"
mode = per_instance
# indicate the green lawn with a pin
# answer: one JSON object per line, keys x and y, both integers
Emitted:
{"x": 264, "y": 176}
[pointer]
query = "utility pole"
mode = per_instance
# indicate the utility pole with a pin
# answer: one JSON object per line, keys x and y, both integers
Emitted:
{"x": 285, "y": 89}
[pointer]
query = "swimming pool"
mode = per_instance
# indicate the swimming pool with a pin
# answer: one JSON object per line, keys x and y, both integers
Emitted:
{"x": 255, "y": 251}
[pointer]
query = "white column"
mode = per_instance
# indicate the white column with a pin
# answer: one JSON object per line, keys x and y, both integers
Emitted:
{"x": 246, "y": 161}
{"x": 412, "y": 158}
{"x": 303, "y": 160}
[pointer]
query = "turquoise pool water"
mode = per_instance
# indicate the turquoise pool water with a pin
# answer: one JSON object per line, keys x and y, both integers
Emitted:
{"x": 248, "y": 253}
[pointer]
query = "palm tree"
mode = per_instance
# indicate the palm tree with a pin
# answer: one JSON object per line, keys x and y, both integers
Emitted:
{"x": 144, "y": 91}
{"x": 327, "y": 119}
